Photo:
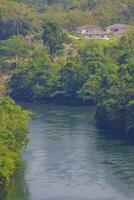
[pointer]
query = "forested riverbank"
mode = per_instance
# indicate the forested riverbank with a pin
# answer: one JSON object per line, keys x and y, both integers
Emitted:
{"x": 43, "y": 59}
{"x": 13, "y": 137}
{"x": 47, "y": 64}
{"x": 101, "y": 74}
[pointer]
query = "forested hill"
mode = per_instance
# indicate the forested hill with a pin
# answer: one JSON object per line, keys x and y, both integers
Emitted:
{"x": 24, "y": 16}
{"x": 71, "y": 12}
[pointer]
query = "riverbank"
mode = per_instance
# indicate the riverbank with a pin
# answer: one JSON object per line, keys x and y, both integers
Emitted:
{"x": 13, "y": 137}
{"x": 99, "y": 116}
{"x": 59, "y": 100}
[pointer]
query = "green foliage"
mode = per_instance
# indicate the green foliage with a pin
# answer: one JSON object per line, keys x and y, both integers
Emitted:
{"x": 71, "y": 77}
{"x": 16, "y": 18}
{"x": 114, "y": 108}
{"x": 24, "y": 16}
{"x": 31, "y": 80}
{"x": 71, "y": 13}
{"x": 100, "y": 74}
{"x": 53, "y": 37}
{"x": 14, "y": 48}
{"x": 130, "y": 117}
{"x": 13, "y": 136}
{"x": 12, "y": 51}
{"x": 97, "y": 72}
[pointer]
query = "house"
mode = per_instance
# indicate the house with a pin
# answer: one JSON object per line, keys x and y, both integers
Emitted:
{"x": 118, "y": 29}
{"x": 96, "y": 34}
{"x": 87, "y": 29}
{"x": 64, "y": 30}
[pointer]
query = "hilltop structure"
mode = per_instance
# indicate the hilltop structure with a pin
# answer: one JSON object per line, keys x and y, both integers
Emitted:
{"x": 92, "y": 32}
{"x": 96, "y": 32}
{"x": 87, "y": 29}
{"x": 117, "y": 29}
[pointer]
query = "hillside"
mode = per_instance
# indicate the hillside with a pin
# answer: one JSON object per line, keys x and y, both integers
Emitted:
{"x": 68, "y": 13}
{"x": 73, "y": 12}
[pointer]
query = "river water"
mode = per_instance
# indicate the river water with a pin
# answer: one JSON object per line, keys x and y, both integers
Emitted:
{"x": 68, "y": 158}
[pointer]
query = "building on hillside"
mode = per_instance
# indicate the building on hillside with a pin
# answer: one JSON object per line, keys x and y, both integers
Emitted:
{"x": 118, "y": 29}
{"x": 87, "y": 29}
{"x": 64, "y": 30}
{"x": 98, "y": 34}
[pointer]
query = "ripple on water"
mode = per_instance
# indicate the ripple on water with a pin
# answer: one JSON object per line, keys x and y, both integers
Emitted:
{"x": 68, "y": 158}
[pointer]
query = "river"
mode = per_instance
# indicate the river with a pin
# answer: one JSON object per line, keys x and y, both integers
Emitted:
{"x": 69, "y": 158}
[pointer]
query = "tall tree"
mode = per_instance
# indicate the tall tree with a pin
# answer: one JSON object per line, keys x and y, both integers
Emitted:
{"x": 53, "y": 37}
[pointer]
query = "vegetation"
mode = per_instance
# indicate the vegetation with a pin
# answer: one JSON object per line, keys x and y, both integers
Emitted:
{"x": 70, "y": 13}
{"x": 53, "y": 37}
{"x": 41, "y": 63}
{"x": 38, "y": 62}
{"x": 28, "y": 16}
{"x": 13, "y": 136}
{"x": 16, "y": 19}
{"x": 99, "y": 74}
{"x": 44, "y": 64}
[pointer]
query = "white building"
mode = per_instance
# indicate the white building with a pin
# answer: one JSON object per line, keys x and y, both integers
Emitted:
{"x": 118, "y": 29}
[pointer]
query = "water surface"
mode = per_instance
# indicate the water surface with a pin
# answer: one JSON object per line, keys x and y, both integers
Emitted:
{"x": 68, "y": 158}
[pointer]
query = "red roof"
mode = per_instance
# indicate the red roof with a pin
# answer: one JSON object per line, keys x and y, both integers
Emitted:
{"x": 97, "y": 32}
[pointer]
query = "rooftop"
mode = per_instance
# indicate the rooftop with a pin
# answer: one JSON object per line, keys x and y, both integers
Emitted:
{"x": 97, "y": 32}
{"x": 118, "y": 26}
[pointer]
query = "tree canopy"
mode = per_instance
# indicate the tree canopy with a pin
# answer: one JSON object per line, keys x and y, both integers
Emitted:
{"x": 53, "y": 37}
{"x": 99, "y": 74}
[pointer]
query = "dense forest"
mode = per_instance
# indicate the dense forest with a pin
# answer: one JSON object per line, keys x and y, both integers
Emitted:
{"x": 34, "y": 54}
{"x": 71, "y": 13}
{"x": 100, "y": 74}
{"x": 39, "y": 62}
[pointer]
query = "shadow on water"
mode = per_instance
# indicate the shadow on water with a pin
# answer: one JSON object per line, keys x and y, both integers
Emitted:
{"x": 77, "y": 152}
{"x": 118, "y": 160}
{"x": 17, "y": 189}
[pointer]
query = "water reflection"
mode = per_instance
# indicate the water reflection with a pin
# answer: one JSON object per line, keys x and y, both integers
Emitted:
{"x": 18, "y": 189}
